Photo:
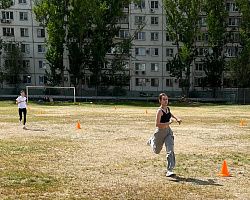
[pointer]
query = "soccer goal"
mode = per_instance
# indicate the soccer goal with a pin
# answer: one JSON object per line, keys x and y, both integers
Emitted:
{"x": 49, "y": 93}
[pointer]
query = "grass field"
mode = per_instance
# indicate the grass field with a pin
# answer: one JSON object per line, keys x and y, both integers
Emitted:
{"x": 108, "y": 158}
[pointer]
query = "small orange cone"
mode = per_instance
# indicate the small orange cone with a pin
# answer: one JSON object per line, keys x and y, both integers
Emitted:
{"x": 241, "y": 122}
{"x": 224, "y": 170}
{"x": 146, "y": 111}
{"x": 115, "y": 107}
{"x": 78, "y": 125}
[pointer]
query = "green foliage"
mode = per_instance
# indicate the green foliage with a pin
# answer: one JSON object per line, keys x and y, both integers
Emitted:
{"x": 216, "y": 22}
{"x": 215, "y": 60}
{"x": 53, "y": 14}
{"x": 244, "y": 7}
{"x": 5, "y": 4}
{"x": 13, "y": 65}
{"x": 239, "y": 68}
{"x": 182, "y": 25}
{"x": 92, "y": 27}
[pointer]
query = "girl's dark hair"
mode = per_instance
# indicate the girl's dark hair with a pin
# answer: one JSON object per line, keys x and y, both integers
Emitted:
{"x": 161, "y": 95}
{"x": 22, "y": 91}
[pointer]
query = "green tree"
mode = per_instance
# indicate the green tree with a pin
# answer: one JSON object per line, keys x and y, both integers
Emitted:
{"x": 13, "y": 63}
{"x": 53, "y": 15}
{"x": 79, "y": 27}
{"x": 91, "y": 32}
{"x": 239, "y": 68}
{"x": 5, "y": 4}
{"x": 182, "y": 26}
{"x": 214, "y": 61}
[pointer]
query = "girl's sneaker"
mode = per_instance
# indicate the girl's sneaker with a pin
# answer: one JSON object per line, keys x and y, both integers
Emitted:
{"x": 170, "y": 174}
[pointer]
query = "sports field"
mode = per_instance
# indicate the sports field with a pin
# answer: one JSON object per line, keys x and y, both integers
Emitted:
{"x": 108, "y": 158}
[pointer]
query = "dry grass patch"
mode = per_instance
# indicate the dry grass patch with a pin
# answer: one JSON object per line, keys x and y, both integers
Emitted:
{"x": 108, "y": 158}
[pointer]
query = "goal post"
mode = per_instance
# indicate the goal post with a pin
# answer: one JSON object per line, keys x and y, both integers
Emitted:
{"x": 52, "y": 92}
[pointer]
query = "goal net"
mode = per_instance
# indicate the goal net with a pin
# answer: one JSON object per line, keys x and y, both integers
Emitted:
{"x": 50, "y": 94}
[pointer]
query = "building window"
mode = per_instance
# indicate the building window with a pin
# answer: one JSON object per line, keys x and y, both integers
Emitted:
{"x": 8, "y": 47}
{"x": 41, "y": 79}
{"x": 169, "y": 82}
{"x": 198, "y": 81}
{"x": 41, "y": 48}
{"x": 202, "y": 22}
{"x": 203, "y": 37}
{"x": 202, "y": 51}
{"x": 154, "y": 51}
{"x": 154, "y": 82}
{"x": 26, "y": 63}
{"x": 154, "y": 67}
{"x": 234, "y": 37}
{"x": 140, "y": 81}
{"x": 199, "y": 66}
{"x": 139, "y": 20}
{"x": 124, "y": 20}
{"x": 114, "y": 50}
{"x": 167, "y": 67}
{"x": 8, "y": 31}
{"x": 140, "y": 51}
{"x": 23, "y": 16}
{"x": 231, "y": 7}
{"x": 26, "y": 79}
{"x": 232, "y": 51}
{"x": 123, "y": 34}
{"x": 7, "y": 15}
{"x": 24, "y": 32}
{"x": 140, "y": 4}
{"x": 154, "y": 36}
{"x": 154, "y": 4}
{"x": 140, "y": 36}
{"x": 25, "y": 48}
{"x": 140, "y": 66}
{"x": 233, "y": 21}
{"x": 41, "y": 33}
{"x": 154, "y": 20}
{"x": 22, "y": 1}
{"x": 41, "y": 64}
{"x": 169, "y": 52}
{"x": 168, "y": 37}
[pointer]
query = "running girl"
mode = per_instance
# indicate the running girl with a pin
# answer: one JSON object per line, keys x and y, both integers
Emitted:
{"x": 164, "y": 134}
{"x": 22, "y": 108}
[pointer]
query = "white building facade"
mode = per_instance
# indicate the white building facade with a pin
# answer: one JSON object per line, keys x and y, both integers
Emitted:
{"x": 152, "y": 47}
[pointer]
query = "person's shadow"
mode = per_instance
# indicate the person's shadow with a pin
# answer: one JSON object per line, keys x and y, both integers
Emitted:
{"x": 34, "y": 129}
{"x": 194, "y": 181}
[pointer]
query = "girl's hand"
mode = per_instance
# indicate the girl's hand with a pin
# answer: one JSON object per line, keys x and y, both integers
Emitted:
{"x": 178, "y": 121}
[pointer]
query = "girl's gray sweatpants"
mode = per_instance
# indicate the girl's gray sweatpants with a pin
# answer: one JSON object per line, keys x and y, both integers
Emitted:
{"x": 160, "y": 137}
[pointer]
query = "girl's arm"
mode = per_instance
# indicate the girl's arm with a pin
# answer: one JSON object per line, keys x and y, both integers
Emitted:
{"x": 176, "y": 118}
{"x": 158, "y": 120}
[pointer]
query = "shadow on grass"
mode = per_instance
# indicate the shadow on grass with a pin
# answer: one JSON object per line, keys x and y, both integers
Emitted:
{"x": 194, "y": 181}
{"x": 34, "y": 129}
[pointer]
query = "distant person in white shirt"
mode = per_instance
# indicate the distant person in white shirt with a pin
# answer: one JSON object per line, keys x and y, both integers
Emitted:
{"x": 22, "y": 108}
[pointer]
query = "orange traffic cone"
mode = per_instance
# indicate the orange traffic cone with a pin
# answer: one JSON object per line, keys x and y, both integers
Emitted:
{"x": 241, "y": 123}
{"x": 78, "y": 125}
{"x": 146, "y": 111}
{"x": 224, "y": 170}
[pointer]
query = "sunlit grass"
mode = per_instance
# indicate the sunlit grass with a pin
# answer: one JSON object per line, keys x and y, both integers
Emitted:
{"x": 108, "y": 158}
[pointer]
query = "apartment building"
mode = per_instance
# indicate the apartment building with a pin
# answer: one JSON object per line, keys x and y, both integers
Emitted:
{"x": 152, "y": 47}
{"x": 18, "y": 24}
